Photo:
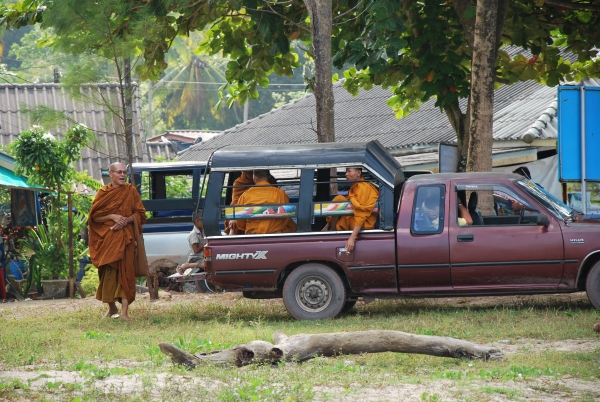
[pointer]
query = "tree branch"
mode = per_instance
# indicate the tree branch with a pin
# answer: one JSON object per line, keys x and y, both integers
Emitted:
{"x": 271, "y": 11}
{"x": 303, "y": 347}
{"x": 573, "y": 6}
{"x": 468, "y": 24}
{"x": 352, "y": 9}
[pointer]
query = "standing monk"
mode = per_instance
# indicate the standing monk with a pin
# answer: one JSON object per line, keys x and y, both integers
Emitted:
{"x": 116, "y": 209}
{"x": 363, "y": 196}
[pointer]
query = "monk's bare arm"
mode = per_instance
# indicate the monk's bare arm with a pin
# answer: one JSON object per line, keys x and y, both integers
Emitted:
{"x": 352, "y": 239}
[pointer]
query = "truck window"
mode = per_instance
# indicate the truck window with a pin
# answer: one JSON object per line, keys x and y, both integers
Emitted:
{"x": 236, "y": 184}
{"x": 163, "y": 185}
{"x": 428, "y": 210}
{"x": 169, "y": 195}
{"x": 329, "y": 189}
{"x": 497, "y": 204}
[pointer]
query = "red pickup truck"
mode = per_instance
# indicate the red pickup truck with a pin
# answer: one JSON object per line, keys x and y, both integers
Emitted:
{"x": 522, "y": 240}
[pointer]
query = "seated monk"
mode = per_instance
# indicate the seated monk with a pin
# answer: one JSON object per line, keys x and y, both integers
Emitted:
{"x": 263, "y": 193}
{"x": 363, "y": 196}
{"x": 240, "y": 185}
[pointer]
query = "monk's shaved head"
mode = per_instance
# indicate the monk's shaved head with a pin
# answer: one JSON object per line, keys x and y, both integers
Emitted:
{"x": 262, "y": 175}
{"x": 116, "y": 166}
{"x": 118, "y": 174}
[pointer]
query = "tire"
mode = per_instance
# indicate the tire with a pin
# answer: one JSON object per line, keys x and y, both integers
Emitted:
{"x": 314, "y": 292}
{"x": 592, "y": 285}
{"x": 204, "y": 287}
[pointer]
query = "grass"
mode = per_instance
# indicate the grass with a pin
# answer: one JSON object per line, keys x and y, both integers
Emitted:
{"x": 112, "y": 360}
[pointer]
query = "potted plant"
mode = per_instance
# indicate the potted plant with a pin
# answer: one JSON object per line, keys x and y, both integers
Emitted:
{"x": 48, "y": 262}
{"x": 47, "y": 162}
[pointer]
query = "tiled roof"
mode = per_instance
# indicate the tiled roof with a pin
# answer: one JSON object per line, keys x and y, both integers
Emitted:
{"x": 107, "y": 147}
{"x": 523, "y": 111}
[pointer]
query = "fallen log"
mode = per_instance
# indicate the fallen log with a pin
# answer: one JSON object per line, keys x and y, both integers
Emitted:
{"x": 303, "y": 347}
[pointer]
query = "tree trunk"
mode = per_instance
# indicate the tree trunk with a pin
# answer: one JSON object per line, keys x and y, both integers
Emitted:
{"x": 303, "y": 347}
{"x": 321, "y": 25}
{"x": 70, "y": 229}
{"x": 482, "y": 87}
{"x": 460, "y": 124}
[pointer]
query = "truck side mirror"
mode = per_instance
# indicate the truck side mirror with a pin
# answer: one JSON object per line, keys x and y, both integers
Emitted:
{"x": 542, "y": 219}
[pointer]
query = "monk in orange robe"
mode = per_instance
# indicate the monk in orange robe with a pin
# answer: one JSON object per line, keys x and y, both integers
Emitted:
{"x": 240, "y": 185}
{"x": 117, "y": 207}
{"x": 263, "y": 193}
{"x": 363, "y": 196}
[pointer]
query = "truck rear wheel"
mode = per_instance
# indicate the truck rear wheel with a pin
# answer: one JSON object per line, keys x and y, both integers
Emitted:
{"x": 203, "y": 287}
{"x": 592, "y": 285}
{"x": 314, "y": 291}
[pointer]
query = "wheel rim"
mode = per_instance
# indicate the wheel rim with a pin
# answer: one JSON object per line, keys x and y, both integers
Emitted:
{"x": 313, "y": 294}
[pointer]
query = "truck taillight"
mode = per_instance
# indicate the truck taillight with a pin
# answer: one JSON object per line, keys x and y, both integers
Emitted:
{"x": 207, "y": 259}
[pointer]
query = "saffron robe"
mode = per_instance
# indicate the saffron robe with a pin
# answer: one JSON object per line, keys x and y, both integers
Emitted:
{"x": 363, "y": 196}
{"x": 113, "y": 251}
{"x": 264, "y": 193}
{"x": 240, "y": 185}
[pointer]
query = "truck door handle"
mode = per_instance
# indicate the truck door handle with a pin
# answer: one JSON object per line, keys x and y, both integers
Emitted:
{"x": 465, "y": 238}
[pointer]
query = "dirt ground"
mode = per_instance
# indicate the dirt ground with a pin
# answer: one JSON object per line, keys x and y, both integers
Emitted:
{"x": 539, "y": 389}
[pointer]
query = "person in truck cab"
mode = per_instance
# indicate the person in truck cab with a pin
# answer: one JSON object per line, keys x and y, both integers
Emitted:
{"x": 363, "y": 196}
{"x": 263, "y": 193}
{"x": 464, "y": 217}
{"x": 196, "y": 240}
{"x": 427, "y": 218}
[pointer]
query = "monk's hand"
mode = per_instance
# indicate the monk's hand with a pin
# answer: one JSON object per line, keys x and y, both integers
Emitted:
{"x": 120, "y": 222}
{"x": 350, "y": 244}
{"x": 232, "y": 227}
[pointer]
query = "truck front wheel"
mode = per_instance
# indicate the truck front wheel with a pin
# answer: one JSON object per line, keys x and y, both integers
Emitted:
{"x": 314, "y": 291}
{"x": 592, "y": 285}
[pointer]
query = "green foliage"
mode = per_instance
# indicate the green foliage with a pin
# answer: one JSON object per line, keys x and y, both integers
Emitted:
{"x": 90, "y": 280}
{"x": 428, "y": 53}
{"x": 45, "y": 160}
{"x": 49, "y": 259}
{"x": 48, "y": 162}
{"x": 37, "y": 62}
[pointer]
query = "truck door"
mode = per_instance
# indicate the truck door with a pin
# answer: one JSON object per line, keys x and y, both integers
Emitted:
{"x": 507, "y": 250}
{"x": 422, "y": 241}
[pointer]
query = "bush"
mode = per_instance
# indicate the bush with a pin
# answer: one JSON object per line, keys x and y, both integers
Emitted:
{"x": 90, "y": 280}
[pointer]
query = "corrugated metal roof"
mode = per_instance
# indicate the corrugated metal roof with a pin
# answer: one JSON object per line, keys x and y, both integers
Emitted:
{"x": 186, "y": 135}
{"x": 108, "y": 145}
{"x": 519, "y": 111}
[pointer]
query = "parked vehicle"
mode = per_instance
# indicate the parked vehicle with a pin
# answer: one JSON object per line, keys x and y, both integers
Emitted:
{"x": 542, "y": 248}
{"x": 170, "y": 192}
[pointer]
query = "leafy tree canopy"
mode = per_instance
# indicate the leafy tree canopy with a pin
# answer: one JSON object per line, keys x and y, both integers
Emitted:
{"x": 418, "y": 49}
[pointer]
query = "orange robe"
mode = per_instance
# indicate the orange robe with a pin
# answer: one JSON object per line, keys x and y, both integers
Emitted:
{"x": 363, "y": 196}
{"x": 240, "y": 185}
{"x": 264, "y": 193}
{"x": 113, "y": 251}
